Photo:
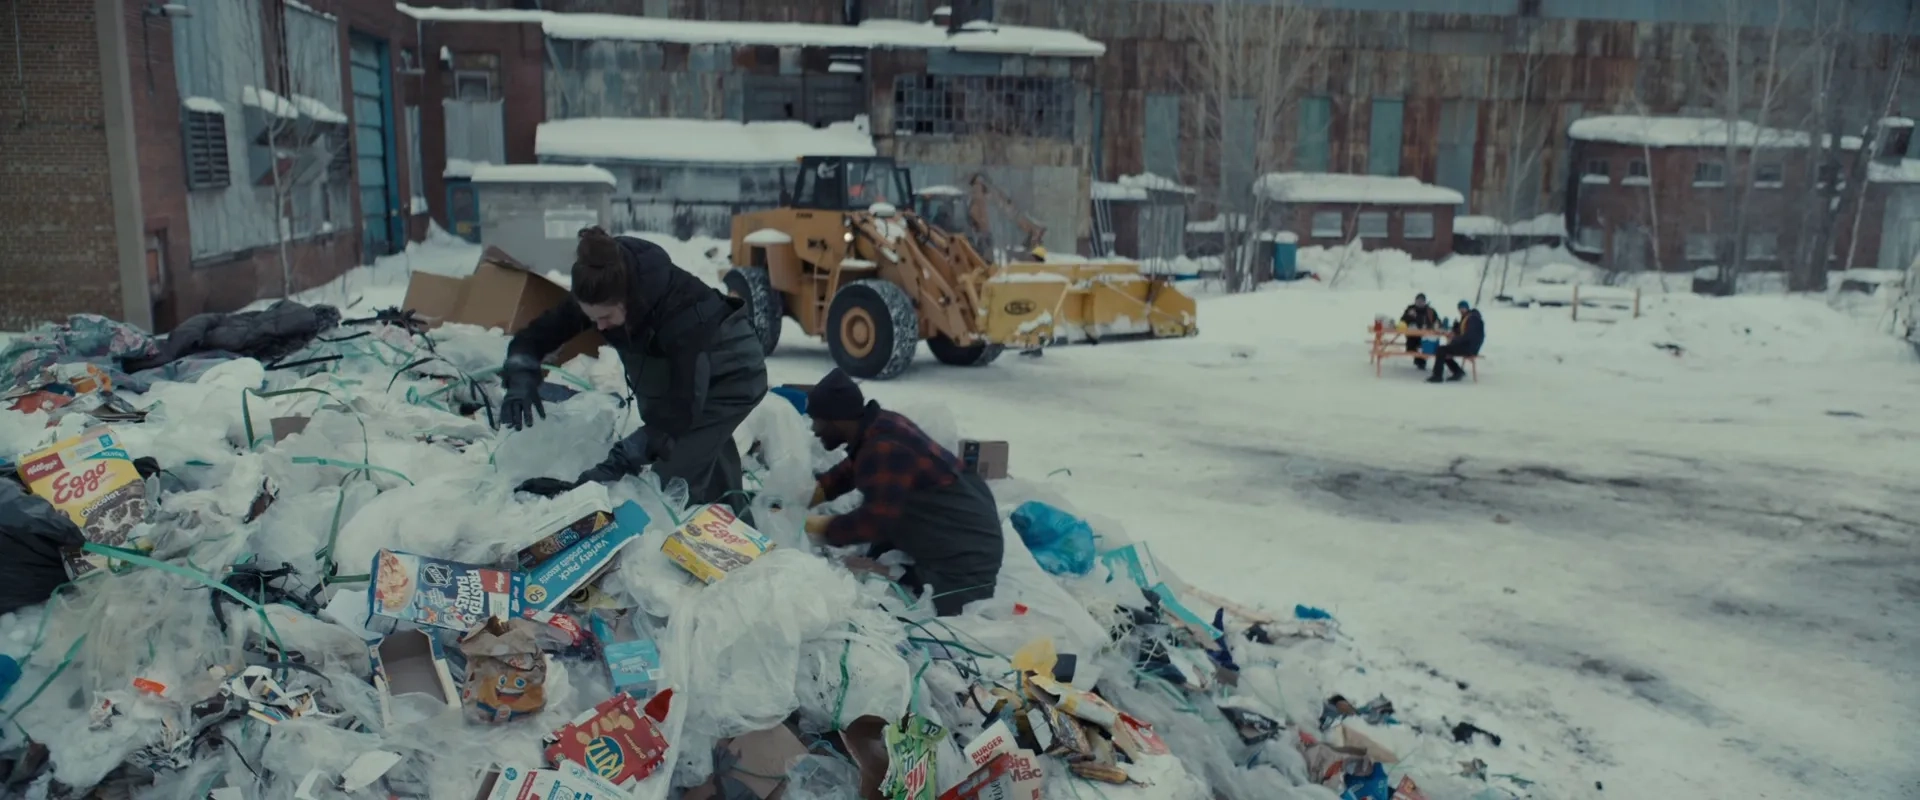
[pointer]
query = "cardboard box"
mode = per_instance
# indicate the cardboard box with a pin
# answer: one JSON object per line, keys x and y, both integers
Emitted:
{"x": 633, "y": 662}
{"x": 865, "y": 742}
{"x": 713, "y": 542}
{"x": 92, "y": 480}
{"x": 756, "y": 762}
{"x": 614, "y": 740}
{"x": 988, "y": 459}
{"x": 581, "y": 512}
{"x": 546, "y": 586}
{"x": 411, "y": 662}
{"x": 567, "y": 781}
{"x": 502, "y": 293}
{"x": 1018, "y": 777}
{"x": 440, "y": 593}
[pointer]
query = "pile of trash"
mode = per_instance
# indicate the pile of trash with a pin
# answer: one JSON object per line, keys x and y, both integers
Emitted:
{"x": 301, "y": 572}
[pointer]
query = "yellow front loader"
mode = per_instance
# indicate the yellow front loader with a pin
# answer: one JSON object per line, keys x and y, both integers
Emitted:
{"x": 846, "y": 262}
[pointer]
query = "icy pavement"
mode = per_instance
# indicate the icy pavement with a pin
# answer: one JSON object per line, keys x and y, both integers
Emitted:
{"x": 1663, "y": 575}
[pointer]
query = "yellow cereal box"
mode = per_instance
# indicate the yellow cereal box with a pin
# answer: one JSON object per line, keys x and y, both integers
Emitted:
{"x": 714, "y": 542}
{"x": 91, "y": 479}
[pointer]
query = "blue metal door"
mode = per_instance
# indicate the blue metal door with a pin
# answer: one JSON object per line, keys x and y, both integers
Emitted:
{"x": 381, "y": 220}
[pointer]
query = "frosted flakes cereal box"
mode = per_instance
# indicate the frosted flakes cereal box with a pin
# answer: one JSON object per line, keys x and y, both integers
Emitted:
{"x": 713, "y": 542}
{"x": 440, "y": 593}
{"x": 92, "y": 480}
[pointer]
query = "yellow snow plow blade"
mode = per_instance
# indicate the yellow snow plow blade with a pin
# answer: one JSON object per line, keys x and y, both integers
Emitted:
{"x": 1083, "y": 302}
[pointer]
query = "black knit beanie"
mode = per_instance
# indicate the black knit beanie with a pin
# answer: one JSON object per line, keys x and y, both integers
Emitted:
{"x": 836, "y": 398}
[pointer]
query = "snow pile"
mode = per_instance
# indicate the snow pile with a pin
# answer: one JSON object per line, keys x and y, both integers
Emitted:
{"x": 700, "y": 140}
{"x": 871, "y": 34}
{"x": 1327, "y": 187}
{"x": 1692, "y": 132}
{"x": 1542, "y": 225}
{"x": 542, "y": 173}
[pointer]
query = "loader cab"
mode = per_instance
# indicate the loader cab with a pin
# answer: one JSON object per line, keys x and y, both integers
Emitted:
{"x": 833, "y": 183}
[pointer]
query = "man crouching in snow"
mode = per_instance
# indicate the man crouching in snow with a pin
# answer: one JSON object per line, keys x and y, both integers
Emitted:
{"x": 916, "y": 498}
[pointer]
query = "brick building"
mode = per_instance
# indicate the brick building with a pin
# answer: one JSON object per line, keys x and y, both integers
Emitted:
{"x": 265, "y": 141}
{"x": 1660, "y": 193}
{"x": 1327, "y": 210}
{"x": 1010, "y": 103}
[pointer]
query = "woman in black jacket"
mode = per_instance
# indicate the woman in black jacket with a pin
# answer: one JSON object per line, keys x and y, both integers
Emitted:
{"x": 691, "y": 358}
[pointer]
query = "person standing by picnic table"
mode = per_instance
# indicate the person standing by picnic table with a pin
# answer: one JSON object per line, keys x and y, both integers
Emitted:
{"x": 1468, "y": 334}
{"x": 1420, "y": 317}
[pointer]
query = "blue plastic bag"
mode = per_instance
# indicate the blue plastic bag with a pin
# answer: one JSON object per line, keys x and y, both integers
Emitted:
{"x": 1061, "y": 542}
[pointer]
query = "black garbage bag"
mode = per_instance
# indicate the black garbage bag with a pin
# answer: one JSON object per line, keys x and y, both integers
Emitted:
{"x": 32, "y": 535}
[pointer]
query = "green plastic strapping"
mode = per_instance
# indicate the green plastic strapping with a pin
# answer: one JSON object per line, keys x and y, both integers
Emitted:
{"x": 352, "y": 466}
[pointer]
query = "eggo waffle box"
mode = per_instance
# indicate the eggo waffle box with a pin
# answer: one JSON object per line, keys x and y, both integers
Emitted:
{"x": 714, "y": 542}
{"x": 92, "y": 480}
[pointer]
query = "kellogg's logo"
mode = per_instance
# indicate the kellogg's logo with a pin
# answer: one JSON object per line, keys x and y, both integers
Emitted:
{"x": 42, "y": 467}
{"x": 70, "y": 487}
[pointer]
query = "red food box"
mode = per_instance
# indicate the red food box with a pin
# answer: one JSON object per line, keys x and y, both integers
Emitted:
{"x": 616, "y": 741}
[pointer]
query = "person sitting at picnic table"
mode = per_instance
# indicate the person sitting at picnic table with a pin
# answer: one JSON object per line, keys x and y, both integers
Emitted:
{"x": 1468, "y": 334}
{"x": 1423, "y": 317}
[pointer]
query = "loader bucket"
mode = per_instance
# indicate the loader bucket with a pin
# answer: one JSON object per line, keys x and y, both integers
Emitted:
{"x": 1023, "y": 310}
{"x": 1113, "y": 300}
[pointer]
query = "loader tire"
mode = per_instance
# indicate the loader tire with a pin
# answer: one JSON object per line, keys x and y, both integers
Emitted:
{"x": 765, "y": 307}
{"x": 872, "y": 329}
{"x": 978, "y": 354}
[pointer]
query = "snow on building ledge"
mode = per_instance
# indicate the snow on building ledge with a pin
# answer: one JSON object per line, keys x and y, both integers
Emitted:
{"x": 1135, "y": 187}
{"x": 541, "y": 173}
{"x": 1690, "y": 132}
{"x": 1331, "y": 187}
{"x": 871, "y": 34}
{"x": 1907, "y": 171}
{"x": 204, "y": 105}
{"x": 460, "y": 168}
{"x": 318, "y": 110}
{"x": 266, "y": 100}
{"x": 700, "y": 140}
{"x": 1543, "y": 225}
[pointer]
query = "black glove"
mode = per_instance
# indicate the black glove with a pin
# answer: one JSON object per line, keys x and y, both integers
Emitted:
{"x": 630, "y": 455}
{"x": 521, "y": 375}
{"x": 546, "y": 487}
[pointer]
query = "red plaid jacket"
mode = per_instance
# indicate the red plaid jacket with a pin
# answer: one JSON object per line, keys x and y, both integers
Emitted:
{"x": 893, "y": 459}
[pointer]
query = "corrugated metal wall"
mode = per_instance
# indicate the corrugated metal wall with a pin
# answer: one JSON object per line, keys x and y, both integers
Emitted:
{"x": 217, "y": 52}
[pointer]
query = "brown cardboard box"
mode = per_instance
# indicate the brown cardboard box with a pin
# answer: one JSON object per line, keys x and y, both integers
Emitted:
{"x": 988, "y": 459}
{"x": 760, "y": 762}
{"x": 502, "y": 293}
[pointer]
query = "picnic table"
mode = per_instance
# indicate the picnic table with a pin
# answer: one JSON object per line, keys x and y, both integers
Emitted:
{"x": 1390, "y": 342}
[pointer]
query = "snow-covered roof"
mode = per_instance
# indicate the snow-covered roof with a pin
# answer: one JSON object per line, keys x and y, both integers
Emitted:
{"x": 939, "y": 190}
{"x": 699, "y": 140}
{"x": 1690, "y": 132}
{"x": 318, "y": 110}
{"x": 1103, "y": 190}
{"x": 266, "y": 100}
{"x": 1543, "y": 225}
{"x": 1895, "y": 122}
{"x": 1218, "y": 224}
{"x": 203, "y": 104}
{"x": 873, "y": 33}
{"x": 1907, "y": 171}
{"x": 541, "y": 173}
{"x": 1135, "y": 187}
{"x": 1331, "y": 187}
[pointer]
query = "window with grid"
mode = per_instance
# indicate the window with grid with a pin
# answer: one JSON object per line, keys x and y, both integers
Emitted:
{"x": 1709, "y": 173}
{"x": 1702, "y": 247}
{"x": 1371, "y": 225}
{"x": 1769, "y": 176}
{"x": 983, "y": 104}
{"x": 1600, "y": 167}
{"x": 1329, "y": 224}
{"x": 1416, "y": 225}
{"x": 205, "y": 136}
{"x": 1637, "y": 169}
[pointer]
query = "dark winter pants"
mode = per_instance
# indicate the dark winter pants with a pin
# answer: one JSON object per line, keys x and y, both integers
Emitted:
{"x": 1413, "y": 346}
{"x": 1444, "y": 358}
{"x": 705, "y": 456}
{"x": 954, "y": 536}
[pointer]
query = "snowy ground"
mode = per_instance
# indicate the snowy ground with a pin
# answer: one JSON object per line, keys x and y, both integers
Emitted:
{"x": 1666, "y": 575}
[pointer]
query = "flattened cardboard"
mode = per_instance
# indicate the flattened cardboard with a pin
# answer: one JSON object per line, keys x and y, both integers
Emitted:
{"x": 502, "y": 293}
{"x": 567, "y": 781}
{"x": 760, "y": 761}
{"x": 614, "y": 740}
{"x": 1020, "y": 769}
{"x": 865, "y": 742}
{"x": 582, "y": 512}
{"x": 992, "y": 781}
{"x": 411, "y": 662}
{"x": 546, "y": 586}
{"x": 986, "y": 458}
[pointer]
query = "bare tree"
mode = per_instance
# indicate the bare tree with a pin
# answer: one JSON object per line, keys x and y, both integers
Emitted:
{"x": 1526, "y": 143}
{"x": 1250, "y": 58}
{"x": 307, "y": 134}
{"x": 1749, "y": 81}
